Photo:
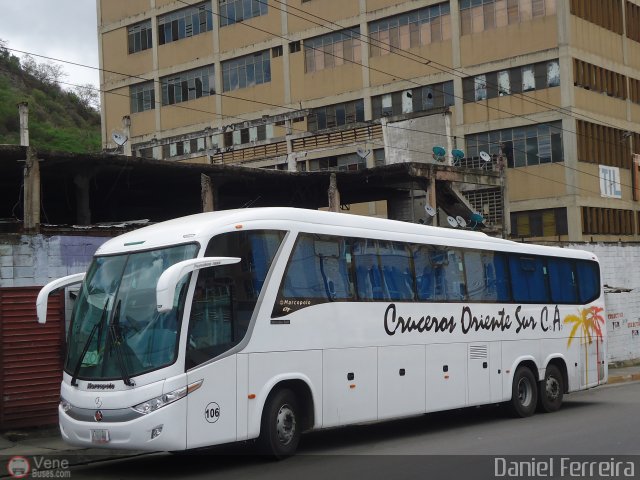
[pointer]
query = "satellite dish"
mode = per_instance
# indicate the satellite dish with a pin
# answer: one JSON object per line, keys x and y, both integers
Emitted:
{"x": 439, "y": 153}
{"x": 485, "y": 156}
{"x": 452, "y": 221}
{"x": 457, "y": 154}
{"x": 362, "y": 153}
{"x": 461, "y": 221}
{"x": 477, "y": 219}
{"x": 119, "y": 137}
{"x": 430, "y": 210}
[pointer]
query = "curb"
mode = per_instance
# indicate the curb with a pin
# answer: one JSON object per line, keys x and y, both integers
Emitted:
{"x": 630, "y": 377}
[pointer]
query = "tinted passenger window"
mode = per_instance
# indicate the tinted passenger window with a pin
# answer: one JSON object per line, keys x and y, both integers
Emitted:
{"x": 439, "y": 273}
{"x": 528, "y": 279}
{"x": 562, "y": 280}
{"x": 588, "y": 281}
{"x": 487, "y": 276}
{"x": 319, "y": 269}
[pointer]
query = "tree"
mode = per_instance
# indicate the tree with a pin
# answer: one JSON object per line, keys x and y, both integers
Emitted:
{"x": 88, "y": 96}
{"x": 48, "y": 73}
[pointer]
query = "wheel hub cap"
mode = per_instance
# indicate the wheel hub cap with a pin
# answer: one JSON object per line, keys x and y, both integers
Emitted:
{"x": 285, "y": 424}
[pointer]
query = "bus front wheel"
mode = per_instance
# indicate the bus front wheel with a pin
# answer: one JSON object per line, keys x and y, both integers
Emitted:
{"x": 280, "y": 429}
{"x": 524, "y": 393}
{"x": 551, "y": 390}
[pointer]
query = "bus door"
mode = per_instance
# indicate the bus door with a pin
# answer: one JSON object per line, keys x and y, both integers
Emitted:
{"x": 211, "y": 410}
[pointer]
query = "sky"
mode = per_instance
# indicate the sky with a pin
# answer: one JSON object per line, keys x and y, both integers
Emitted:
{"x": 63, "y": 29}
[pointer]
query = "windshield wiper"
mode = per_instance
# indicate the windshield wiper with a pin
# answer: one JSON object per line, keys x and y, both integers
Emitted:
{"x": 76, "y": 370}
{"x": 116, "y": 335}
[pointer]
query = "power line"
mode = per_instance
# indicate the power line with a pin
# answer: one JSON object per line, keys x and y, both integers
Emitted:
{"x": 372, "y": 142}
{"x": 290, "y": 108}
{"x": 430, "y": 62}
{"x": 408, "y": 80}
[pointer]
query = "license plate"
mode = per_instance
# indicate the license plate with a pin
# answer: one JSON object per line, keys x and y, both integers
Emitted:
{"x": 100, "y": 436}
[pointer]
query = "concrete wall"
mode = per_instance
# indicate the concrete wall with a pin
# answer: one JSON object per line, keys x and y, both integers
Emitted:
{"x": 34, "y": 260}
{"x": 619, "y": 263}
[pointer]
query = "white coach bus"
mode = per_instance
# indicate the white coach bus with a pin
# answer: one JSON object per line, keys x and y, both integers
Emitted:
{"x": 265, "y": 323}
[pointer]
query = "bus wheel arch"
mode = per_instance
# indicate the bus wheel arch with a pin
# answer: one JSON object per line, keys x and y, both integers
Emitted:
{"x": 287, "y": 412}
{"x": 553, "y": 386}
{"x": 524, "y": 390}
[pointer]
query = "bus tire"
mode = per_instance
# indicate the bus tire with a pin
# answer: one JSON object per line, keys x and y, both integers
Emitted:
{"x": 524, "y": 393}
{"x": 281, "y": 425}
{"x": 551, "y": 390}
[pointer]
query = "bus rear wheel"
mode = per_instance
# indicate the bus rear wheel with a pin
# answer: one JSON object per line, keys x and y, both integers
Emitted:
{"x": 280, "y": 428}
{"x": 524, "y": 393}
{"x": 551, "y": 390}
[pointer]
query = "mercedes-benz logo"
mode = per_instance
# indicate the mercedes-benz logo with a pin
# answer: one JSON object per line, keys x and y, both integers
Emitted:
{"x": 98, "y": 416}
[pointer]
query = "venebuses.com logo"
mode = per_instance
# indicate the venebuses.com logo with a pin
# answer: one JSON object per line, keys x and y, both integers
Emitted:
{"x": 38, "y": 467}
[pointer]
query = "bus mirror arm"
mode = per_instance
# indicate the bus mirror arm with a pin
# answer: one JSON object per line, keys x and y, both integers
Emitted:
{"x": 168, "y": 281}
{"x": 43, "y": 295}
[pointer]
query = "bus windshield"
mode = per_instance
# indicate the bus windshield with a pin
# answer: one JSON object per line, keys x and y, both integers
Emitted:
{"x": 116, "y": 330}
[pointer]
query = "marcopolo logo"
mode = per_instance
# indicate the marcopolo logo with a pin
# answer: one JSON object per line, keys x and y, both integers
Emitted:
{"x": 100, "y": 386}
{"x": 18, "y": 467}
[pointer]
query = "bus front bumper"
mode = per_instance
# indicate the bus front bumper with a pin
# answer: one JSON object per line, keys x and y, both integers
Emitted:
{"x": 162, "y": 430}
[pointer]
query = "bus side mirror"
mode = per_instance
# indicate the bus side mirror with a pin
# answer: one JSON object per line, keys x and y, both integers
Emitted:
{"x": 43, "y": 295}
{"x": 168, "y": 281}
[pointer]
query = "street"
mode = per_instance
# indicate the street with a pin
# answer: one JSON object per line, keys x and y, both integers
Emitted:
{"x": 601, "y": 422}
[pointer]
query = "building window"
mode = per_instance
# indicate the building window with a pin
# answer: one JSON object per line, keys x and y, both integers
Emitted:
{"x": 480, "y": 87}
{"x": 539, "y": 223}
{"x": 140, "y": 36}
{"x": 142, "y": 97}
{"x": 536, "y": 76}
{"x": 332, "y": 50}
{"x": 607, "y": 221}
{"x": 294, "y": 47}
{"x": 144, "y": 152}
{"x": 246, "y": 71}
{"x": 410, "y": 30}
{"x": 603, "y": 145}
{"x": 247, "y": 135}
{"x": 184, "y": 23}
{"x": 504, "y": 83}
{"x": 351, "y": 163}
{"x": 234, "y": 11}
{"x": 419, "y": 99}
{"x": 604, "y": 13}
{"x": 188, "y": 85}
{"x": 479, "y": 15}
{"x": 330, "y": 116}
{"x": 633, "y": 21}
{"x": 522, "y": 146}
{"x": 598, "y": 79}
{"x": 276, "y": 51}
{"x": 634, "y": 90}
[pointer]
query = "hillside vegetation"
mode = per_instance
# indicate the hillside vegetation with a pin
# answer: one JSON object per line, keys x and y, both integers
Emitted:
{"x": 58, "y": 119}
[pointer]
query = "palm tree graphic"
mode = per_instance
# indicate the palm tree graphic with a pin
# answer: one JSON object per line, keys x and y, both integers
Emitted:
{"x": 590, "y": 323}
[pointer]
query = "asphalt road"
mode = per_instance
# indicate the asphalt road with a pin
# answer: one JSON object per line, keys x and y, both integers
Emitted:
{"x": 601, "y": 424}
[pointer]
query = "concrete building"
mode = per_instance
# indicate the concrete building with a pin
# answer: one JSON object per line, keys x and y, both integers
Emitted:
{"x": 550, "y": 88}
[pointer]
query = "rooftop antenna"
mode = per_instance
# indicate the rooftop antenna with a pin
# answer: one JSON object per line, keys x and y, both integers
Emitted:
{"x": 119, "y": 138}
{"x": 457, "y": 155}
{"x": 477, "y": 219}
{"x": 485, "y": 157}
{"x": 461, "y": 221}
{"x": 452, "y": 221}
{"x": 362, "y": 152}
{"x": 430, "y": 210}
{"x": 439, "y": 153}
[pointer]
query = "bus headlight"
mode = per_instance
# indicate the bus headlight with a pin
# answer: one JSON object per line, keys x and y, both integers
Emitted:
{"x": 166, "y": 398}
{"x": 66, "y": 406}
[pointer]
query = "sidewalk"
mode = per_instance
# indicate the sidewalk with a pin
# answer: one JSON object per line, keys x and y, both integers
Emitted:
{"x": 47, "y": 440}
